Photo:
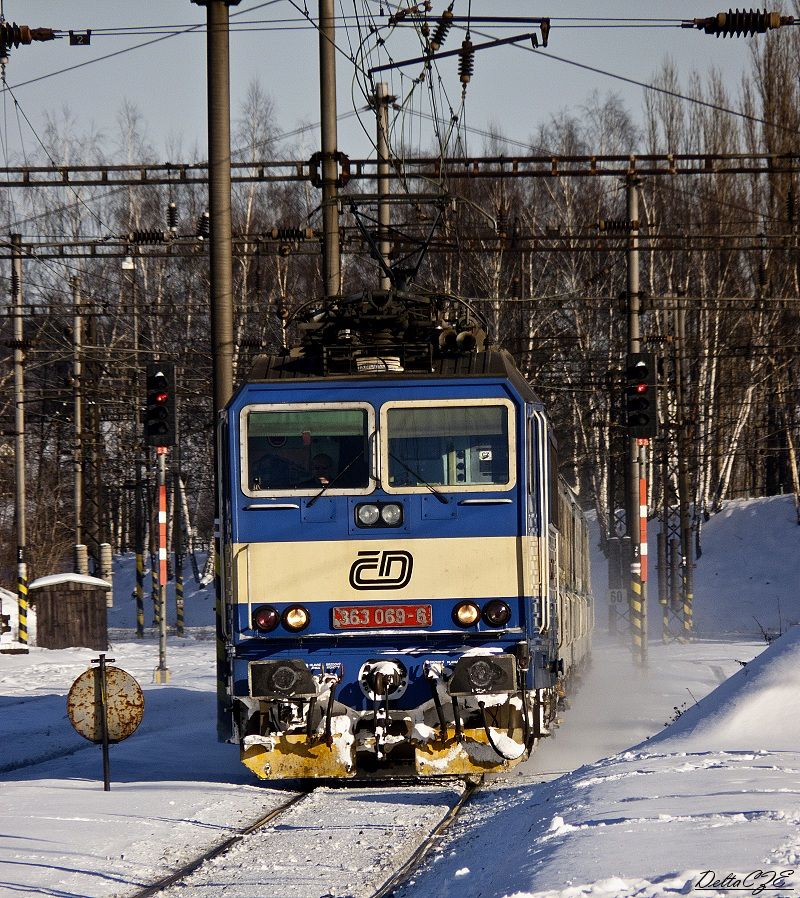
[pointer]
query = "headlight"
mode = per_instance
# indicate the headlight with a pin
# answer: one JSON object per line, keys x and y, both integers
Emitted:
{"x": 466, "y": 614}
{"x": 392, "y": 515}
{"x": 496, "y": 613}
{"x": 295, "y": 618}
{"x": 367, "y": 514}
{"x": 266, "y": 618}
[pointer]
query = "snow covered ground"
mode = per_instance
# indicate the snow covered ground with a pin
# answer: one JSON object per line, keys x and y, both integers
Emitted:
{"x": 649, "y": 811}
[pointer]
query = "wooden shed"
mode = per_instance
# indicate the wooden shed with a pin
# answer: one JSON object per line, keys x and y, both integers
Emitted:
{"x": 70, "y": 611}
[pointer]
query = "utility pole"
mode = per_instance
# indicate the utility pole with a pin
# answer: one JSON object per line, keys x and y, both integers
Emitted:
{"x": 94, "y": 494}
{"x": 19, "y": 434}
{"x": 81, "y": 557}
{"x": 637, "y": 449}
{"x": 129, "y": 280}
{"x": 331, "y": 258}
{"x": 221, "y": 276}
{"x": 177, "y": 533}
{"x": 219, "y": 194}
{"x": 687, "y": 549}
{"x": 382, "y": 101}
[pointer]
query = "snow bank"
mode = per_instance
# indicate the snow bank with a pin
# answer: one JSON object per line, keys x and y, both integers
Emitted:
{"x": 713, "y": 795}
{"x": 757, "y": 708}
{"x": 748, "y": 575}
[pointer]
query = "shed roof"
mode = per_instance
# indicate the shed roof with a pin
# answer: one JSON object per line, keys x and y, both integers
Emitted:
{"x": 56, "y": 579}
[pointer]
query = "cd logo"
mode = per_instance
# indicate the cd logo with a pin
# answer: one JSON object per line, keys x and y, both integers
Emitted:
{"x": 390, "y": 569}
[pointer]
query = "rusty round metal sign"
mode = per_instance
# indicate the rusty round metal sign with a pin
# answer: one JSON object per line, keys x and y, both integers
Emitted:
{"x": 124, "y": 701}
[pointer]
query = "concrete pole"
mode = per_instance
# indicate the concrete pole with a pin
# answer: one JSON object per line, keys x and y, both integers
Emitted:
{"x": 95, "y": 506}
{"x": 177, "y": 544}
{"x": 219, "y": 190}
{"x": 382, "y": 101}
{"x": 636, "y": 454}
{"x": 129, "y": 281}
{"x": 81, "y": 566}
{"x": 107, "y": 571}
{"x": 331, "y": 257}
{"x": 687, "y": 549}
{"x": 19, "y": 434}
{"x": 177, "y": 533}
{"x": 221, "y": 273}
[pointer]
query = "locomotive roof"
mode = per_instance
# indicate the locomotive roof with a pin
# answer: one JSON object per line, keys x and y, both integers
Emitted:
{"x": 495, "y": 363}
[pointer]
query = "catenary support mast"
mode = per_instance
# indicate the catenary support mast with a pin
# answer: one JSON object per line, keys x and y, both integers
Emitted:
{"x": 637, "y": 450}
{"x": 221, "y": 273}
{"x": 331, "y": 257}
{"x": 19, "y": 434}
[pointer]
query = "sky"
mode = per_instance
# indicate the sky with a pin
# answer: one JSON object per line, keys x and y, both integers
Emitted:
{"x": 512, "y": 89}
{"x": 694, "y": 771}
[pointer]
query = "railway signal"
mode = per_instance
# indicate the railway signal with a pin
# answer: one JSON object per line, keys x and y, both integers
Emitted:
{"x": 159, "y": 422}
{"x": 641, "y": 419}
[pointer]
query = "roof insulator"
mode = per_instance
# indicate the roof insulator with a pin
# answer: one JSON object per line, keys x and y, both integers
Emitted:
{"x": 735, "y": 23}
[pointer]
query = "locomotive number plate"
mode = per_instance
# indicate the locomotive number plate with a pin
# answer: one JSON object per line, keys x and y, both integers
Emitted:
{"x": 377, "y": 617}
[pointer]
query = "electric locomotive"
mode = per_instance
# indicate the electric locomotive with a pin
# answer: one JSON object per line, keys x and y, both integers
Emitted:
{"x": 405, "y": 578}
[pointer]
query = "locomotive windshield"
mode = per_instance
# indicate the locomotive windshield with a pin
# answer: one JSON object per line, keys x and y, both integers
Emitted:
{"x": 453, "y": 445}
{"x": 306, "y": 448}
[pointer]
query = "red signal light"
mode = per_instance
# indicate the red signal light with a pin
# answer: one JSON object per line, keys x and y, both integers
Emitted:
{"x": 159, "y": 422}
{"x": 640, "y": 415}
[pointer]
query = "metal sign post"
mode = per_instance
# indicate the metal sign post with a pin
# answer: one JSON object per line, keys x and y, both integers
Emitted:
{"x": 105, "y": 705}
{"x": 103, "y": 683}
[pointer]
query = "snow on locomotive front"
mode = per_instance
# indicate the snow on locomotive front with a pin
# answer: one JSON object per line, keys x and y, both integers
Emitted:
{"x": 390, "y": 575}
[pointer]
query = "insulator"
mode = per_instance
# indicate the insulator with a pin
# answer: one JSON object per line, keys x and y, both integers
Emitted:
{"x": 287, "y": 233}
{"x": 12, "y": 35}
{"x": 204, "y": 226}
{"x": 147, "y": 235}
{"x": 614, "y": 225}
{"x": 443, "y": 26}
{"x": 466, "y": 61}
{"x": 172, "y": 217}
{"x": 735, "y": 23}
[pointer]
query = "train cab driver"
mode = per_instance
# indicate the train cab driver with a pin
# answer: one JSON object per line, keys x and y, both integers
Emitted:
{"x": 321, "y": 471}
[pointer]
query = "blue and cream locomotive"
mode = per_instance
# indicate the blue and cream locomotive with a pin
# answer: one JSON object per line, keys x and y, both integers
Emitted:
{"x": 404, "y": 576}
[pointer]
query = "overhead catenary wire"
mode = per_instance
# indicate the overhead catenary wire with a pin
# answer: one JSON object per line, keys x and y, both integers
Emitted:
{"x": 80, "y": 65}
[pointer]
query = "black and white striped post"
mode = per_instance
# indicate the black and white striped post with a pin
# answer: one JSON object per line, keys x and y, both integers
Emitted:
{"x": 18, "y": 344}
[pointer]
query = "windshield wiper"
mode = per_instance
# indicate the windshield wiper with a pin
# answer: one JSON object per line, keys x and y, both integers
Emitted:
{"x": 443, "y": 499}
{"x": 334, "y": 480}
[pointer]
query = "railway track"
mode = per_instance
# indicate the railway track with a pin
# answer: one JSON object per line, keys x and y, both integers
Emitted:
{"x": 187, "y": 869}
{"x": 356, "y": 841}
